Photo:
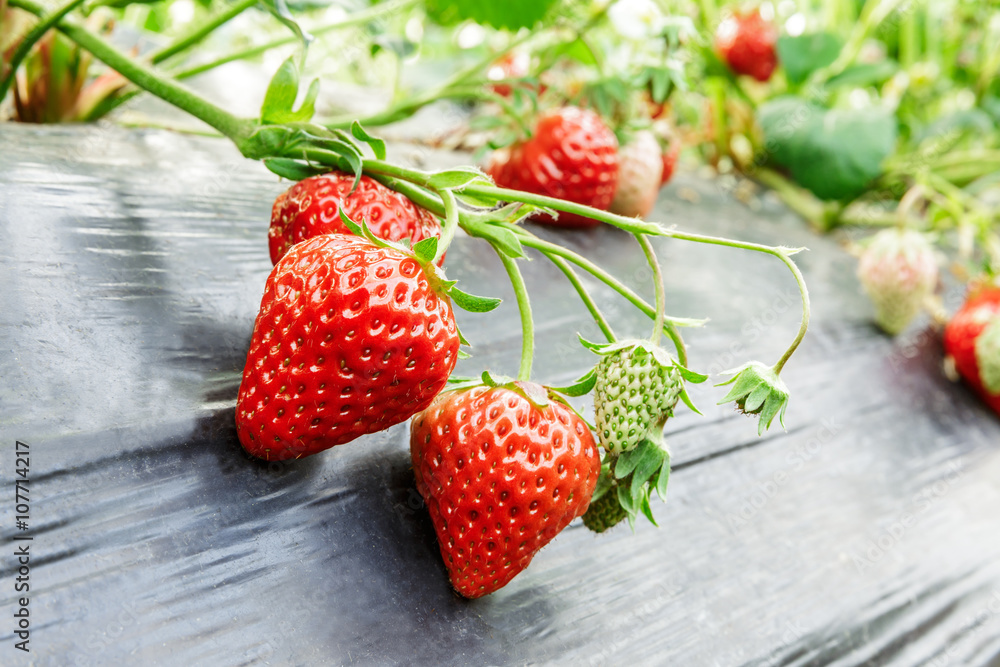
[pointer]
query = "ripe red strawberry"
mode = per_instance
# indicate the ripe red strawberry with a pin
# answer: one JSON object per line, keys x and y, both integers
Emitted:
{"x": 311, "y": 207}
{"x": 669, "y": 158}
{"x": 572, "y": 155}
{"x": 746, "y": 42}
{"x": 351, "y": 338}
{"x": 640, "y": 167}
{"x": 501, "y": 477}
{"x": 972, "y": 343}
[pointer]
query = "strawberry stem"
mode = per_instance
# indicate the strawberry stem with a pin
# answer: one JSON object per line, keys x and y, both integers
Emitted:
{"x": 451, "y": 217}
{"x": 661, "y": 299}
{"x": 524, "y": 308}
{"x": 584, "y": 295}
{"x": 201, "y": 31}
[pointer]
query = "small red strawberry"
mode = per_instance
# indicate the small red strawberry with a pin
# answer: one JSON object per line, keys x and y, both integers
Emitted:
{"x": 311, "y": 207}
{"x": 351, "y": 338}
{"x": 972, "y": 343}
{"x": 640, "y": 167}
{"x": 572, "y": 155}
{"x": 669, "y": 158}
{"x": 746, "y": 42}
{"x": 501, "y": 476}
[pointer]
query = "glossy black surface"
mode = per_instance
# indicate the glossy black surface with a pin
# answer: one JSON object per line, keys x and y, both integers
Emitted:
{"x": 131, "y": 267}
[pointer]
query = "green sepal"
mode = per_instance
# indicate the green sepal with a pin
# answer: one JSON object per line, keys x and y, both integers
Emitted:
{"x": 686, "y": 399}
{"x": 279, "y": 100}
{"x": 426, "y": 249}
{"x": 646, "y": 509}
{"x": 689, "y": 375}
{"x": 581, "y": 387}
{"x": 293, "y": 170}
{"x": 491, "y": 380}
{"x": 987, "y": 350}
{"x": 663, "y": 478}
{"x": 757, "y": 390}
{"x": 462, "y": 354}
{"x": 605, "y": 481}
{"x": 473, "y": 303}
{"x": 377, "y": 145}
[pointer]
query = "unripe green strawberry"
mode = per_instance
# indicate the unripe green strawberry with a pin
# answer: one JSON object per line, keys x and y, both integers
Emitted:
{"x": 637, "y": 387}
{"x": 640, "y": 168}
{"x": 604, "y": 512}
{"x": 899, "y": 271}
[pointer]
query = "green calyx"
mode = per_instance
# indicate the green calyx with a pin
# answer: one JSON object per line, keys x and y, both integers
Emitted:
{"x": 625, "y": 485}
{"x": 757, "y": 390}
{"x": 637, "y": 386}
{"x": 988, "y": 356}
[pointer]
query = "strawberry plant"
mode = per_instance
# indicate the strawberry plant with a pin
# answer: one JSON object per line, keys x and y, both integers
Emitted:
{"x": 356, "y": 329}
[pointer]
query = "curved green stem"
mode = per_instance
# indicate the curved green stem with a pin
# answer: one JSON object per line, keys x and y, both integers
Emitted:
{"x": 805, "y": 312}
{"x": 551, "y": 250}
{"x": 450, "y": 223}
{"x": 200, "y": 32}
{"x": 524, "y": 308}
{"x": 235, "y": 128}
{"x": 661, "y": 298}
{"x": 584, "y": 295}
{"x": 45, "y": 23}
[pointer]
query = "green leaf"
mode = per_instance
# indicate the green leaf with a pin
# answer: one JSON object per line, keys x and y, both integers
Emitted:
{"x": 581, "y": 386}
{"x": 293, "y": 170}
{"x": 472, "y": 303}
{"x": 279, "y": 9}
{"x": 426, "y": 249}
{"x": 279, "y": 101}
{"x": 605, "y": 481}
{"x": 650, "y": 460}
{"x": 509, "y": 14}
{"x": 377, "y": 145}
{"x": 628, "y": 503}
{"x": 864, "y": 74}
{"x": 455, "y": 178}
{"x": 501, "y": 238}
{"x": 835, "y": 154}
{"x": 804, "y": 54}
{"x": 646, "y": 509}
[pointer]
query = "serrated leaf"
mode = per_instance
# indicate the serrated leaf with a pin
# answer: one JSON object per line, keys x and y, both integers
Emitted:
{"x": 473, "y": 303}
{"x": 802, "y": 55}
{"x": 581, "y": 387}
{"x": 377, "y": 145}
{"x": 833, "y": 153}
{"x": 509, "y": 14}
{"x": 293, "y": 170}
{"x": 426, "y": 249}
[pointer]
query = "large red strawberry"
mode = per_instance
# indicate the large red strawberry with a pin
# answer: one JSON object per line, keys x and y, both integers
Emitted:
{"x": 746, "y": 42}
{"x": 972, "y": 343}
{"x": 311, "y": 207}
{"x": 572, "y": 155}
{"x": 640, "y": 167}
{"x": 351, "y": 338}
{"x": 501, "y": 477}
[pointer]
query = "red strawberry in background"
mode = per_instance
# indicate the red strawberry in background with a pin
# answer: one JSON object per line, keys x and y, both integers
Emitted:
{"x": 572, "y": 156}
{"x": 640, "y": 167}
{"x": 747, "y": 43}
{"x": 669, "y": 157}
{"x": 351, "y": 338}
{"x": 311, "y": 207}
{"x": 512, "y": 65}
{"x": 972, "y": 343}
{"x": 501, "y": 477}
